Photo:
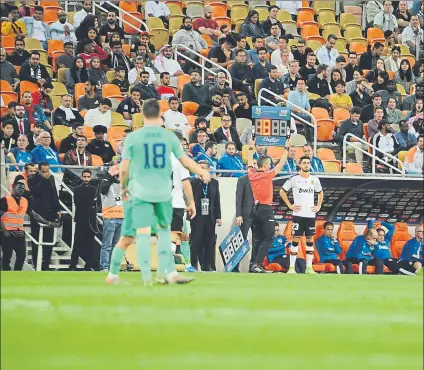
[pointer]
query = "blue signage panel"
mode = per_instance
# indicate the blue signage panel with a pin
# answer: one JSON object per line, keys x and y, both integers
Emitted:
{"x": 233, "y": 248}
{"x": 271, "y": 125}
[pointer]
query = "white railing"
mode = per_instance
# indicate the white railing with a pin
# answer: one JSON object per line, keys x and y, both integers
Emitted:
{"x": 202, "y": 64}
{"x": 96, "y": 5}
{"x": 373, "y": 155}
{"x": 313, "y": 122}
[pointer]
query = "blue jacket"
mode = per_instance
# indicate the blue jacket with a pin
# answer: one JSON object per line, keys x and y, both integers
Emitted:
{"x": 316, "y": 165}
{"x": 197, "y": 149}
{"x": 21, "y": 158}
{"x": 278, "y": 248}
{"x": 328, "y": 248}
{"x": 256, "y": 157}
{"x": 29, "y": 26}
{"x": 382, "y": 250}
{"x": 359, "y": 249}
{"x": 213, "y": 162}
{"x": 228, "y": 162}
{"x": 412, "y": 251}
{"x": 39, "y": 115}
{"x": 290, "y": 166}
{"x": 46, "y": 155}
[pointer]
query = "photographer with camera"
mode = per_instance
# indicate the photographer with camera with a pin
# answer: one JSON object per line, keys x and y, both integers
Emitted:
{"x": 113, "y": 215}
{"x": 13, "y": 208}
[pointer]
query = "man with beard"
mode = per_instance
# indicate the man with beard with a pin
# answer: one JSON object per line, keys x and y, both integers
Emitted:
{"x": 144, "y": 39}
{"x": 301, "y": 53}
{"x": 209, "y": 155}
{"x": 165, "y": 63}
{"x": 8, "y": 71}
{"x": 410, "y": 100}
{"x": 20, "y": 123}
{"x": 141, "y": 51}
{"x": 164, "y": 89}
{"x": 99, "y": 146}
{"x": 261, "y": 69}
{"x": 34, "y": 71}
{"x": 310, "y": 67}
{"x": 36, "y": 28}
{"x": 90, "y": 100}
{"x": 80, "y": 15}
{"x": 70, "y": 142}
{"x": 34, "y": 113}
{"x": 42, "y": 98}
{"x": 350, "y": 67}
{"x": 242, "y": 74}
{"x": 118, "y": 58}
{"x": 195, "y": 91}
{"x": 62, "y": 30}
{"x": 318, "y": 83}
{"x": 13, "y": 27}
{"x": 109, "y": 28}
{"x": 360, "y": 97}
{"x": 147, "y": 91}
{"x": 206, "y": 25}
{"x": 244, "y": 110}
{"x": 391, "y": 92}
{"x": 20, "y": 55}
{"x": 218, "y": 109}
{"x": 223, "y": 86}
{"x": 231, "y": 161}
{"x": 66, "y": 60}
{"x": 66, "y": 115}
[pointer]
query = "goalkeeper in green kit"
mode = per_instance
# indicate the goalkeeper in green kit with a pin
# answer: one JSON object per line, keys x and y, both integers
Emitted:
{"x": 146, "y": 186}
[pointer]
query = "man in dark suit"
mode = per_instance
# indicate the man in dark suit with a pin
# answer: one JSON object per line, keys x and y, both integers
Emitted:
{"x": 21, "y": 125}
{"x": 228, "y": 133}
{"x": 208, "y": 214}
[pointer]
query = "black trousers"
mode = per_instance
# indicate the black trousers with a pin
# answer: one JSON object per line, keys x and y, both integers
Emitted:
{"x": 391, "y": 263}
{"x": 202, "y": 242}
{"x": 47, "y": 249}
{"x": 355, "y": 261}
{"x": 336, "y": 263}
{"x": 406, "y": 266}
{"x": 84, "y": 246}
{"x": 10, "y": 244}
{"x": 264, "y": 225}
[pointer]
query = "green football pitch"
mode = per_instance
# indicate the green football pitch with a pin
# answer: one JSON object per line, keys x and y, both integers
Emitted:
{"x": 74, "y": 321}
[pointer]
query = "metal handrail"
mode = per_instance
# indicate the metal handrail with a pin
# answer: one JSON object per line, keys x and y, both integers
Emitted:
{"x": 202, "y": 65}
{"x": 313, "y": 124}
{"x": 95, "y": 5}
{"x": 372, "y": 155}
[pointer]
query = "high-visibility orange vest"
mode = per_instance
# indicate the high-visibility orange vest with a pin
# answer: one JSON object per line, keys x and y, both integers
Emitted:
{"x": 14, "y": 218}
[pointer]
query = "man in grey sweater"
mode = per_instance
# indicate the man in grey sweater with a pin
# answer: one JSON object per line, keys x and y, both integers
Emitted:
{"x": 195, "y": 91}
{"x": 7, "y": 70}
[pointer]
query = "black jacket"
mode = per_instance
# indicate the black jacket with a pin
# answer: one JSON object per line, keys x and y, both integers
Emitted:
{"x": 267, "y": 24}
{"x": 205, "y": 110}
{"x": 365, "y": 62}
{"x": 212, "y": 194}
{"x": 148, "y": 91}
{"x": 67, "y": 144}
{"x": 59, "y": 118}
{"x": 357, "y": 101}
{"x": 240, "y": 72}
{"x": 261, "y": 72}
{"x": 276, "y": 87}
{"x": 18, "y": 60}
{"x": 368, "y": 113}
{"x": 84, "y": 196}
{"x": 318, "y": 86}
{"x": 196, "y": 93}
{"x": 44, "y": 199}
{"x": 16, "y": 131}
{"x": 25, "y": 73}
{"x": 244, "y": 198}
{"x": 220, "y": 136}
{"x": 347, "y": 127}
{"x": 101, "y": 148}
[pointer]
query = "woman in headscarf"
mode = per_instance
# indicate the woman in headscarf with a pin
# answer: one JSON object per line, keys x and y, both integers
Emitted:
{"x": 89, "y": 21}
{"x": 77, "y": 74}
{"x": 95, "y": 73}
{"x": 91, "y": 35}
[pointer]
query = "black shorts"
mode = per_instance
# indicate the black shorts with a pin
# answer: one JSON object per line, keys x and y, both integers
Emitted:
{"x": 303, "y": 226}
{"x": 177, "y": 220}
{"x": 407, "y": 265}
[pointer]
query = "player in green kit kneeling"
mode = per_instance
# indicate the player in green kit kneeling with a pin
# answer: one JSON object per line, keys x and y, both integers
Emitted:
{"x": 146, "y": 189}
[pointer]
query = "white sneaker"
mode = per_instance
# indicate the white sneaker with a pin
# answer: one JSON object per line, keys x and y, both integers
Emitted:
{"x": 310, "y": 270}
{"x": 291, "y": 270}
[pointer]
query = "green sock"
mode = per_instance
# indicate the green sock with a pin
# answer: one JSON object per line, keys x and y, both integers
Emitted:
{"x": 143, "y": 255}
{"x": 116, "y": 259}
{"x": 166, "y": 262}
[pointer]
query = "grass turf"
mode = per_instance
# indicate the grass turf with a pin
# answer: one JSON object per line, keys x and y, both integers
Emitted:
{"x": 74, "y": 321}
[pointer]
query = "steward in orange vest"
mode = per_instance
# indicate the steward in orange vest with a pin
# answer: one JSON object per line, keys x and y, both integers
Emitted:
{"x": 13, "y": 208}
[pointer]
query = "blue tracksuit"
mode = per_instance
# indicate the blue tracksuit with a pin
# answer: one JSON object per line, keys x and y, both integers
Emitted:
{"x": 278, "y": 248}
{"x": 316, "y": 165}
{"x": 213, "y": 162}
{"x": 382, "y": 250}
{"x": 196, "y": 150}
{"x": 328, "y": 248}
{"x": 413, "y": 251}
{"x": 359, "y": 249}
{"x": 231, "y": 162}
{"x": 290, "y": 166}
{"x": 256, "y": 156}
{"x": 47, "y": 155}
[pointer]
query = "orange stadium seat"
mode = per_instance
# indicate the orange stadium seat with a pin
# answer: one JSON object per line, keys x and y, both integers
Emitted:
{"x": 7, "y": 42}
{"x": 28, "y": 86}
{"x": 326, "y": 154}
{"x": 354, "y": 168}
{"x": 345, "y": 235}
{"x": 45, "y": 3}
{"x": 374, "y": 33}
{"x": 191, "y": 119}
{"x": 88, "y": 132}
{"x": 50, "y": 16}
{"x": 96, "y": 160}
{"x": 115, "y": 133}
{"x": 357, "y": 47}
{"x": 136, "y": 23}
{"x": 54, "y": 46}
{"x": 340, "y": 114}
{"x": 9, "y": 96}
{"x": 310, "y": 29}
{"x": 128, "y": 6}
{"x": 5, "y": 86}
{"x": 163, "y": 105}
{"x": 189, "y": 108}
{"x": 112, "y": 91}
{"x": 304, "y": 16}
{"x": 182, "y": 80}
{"x": 320, "y": 113}
{"x": 79, "y": 90}
{"x": 365, "y": 127}
{"x": 400, "y": 237}
{"x": 325, "y": 129}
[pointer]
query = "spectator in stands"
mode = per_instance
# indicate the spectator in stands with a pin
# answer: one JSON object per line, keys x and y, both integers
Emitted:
{"x": 351, "y": 66}
{"x": 299, "y": 103}
{"x": 225, "y": 30}
{"x": 36, "y": 28}
{"x": 8, "y": 71}
{"x": 144, "y": 39}
{"x": 76, "y": 74}
{"x": 352, "y": 85}
{"x": 301, "y": 53}
{"x": 402, "y": 15}
{"x": 121, "y": 80}
{"x": 227, "y": 133}
{"x": 261, "y": 69}
{"x": 7, "y": 138}
{"x": 329, "y": 248}
{"x": 33, "y": 137}
{"x": 21, "y": 124}
{"x": 110, "y": 27}
{"x": 165, "y": 63}
{"x": 374, "y": 73}
{"x": 209, "y": 155}
{"x": 410, "y": 100}
{"x": 101, "y": 115}
{"x": 157, "y": 9}
{"x": 199, "y": 147}
{"x": 272, "y": 20}
{"x": 389, "y": 42}
{"x": 416, "y": 166}
{"x": 394, "y": 115}
{"x": 404, "y": 75}
{"x": 147, "y": 90}
{"x": 201, "y": 124}
{"x": 339, "y": 66}
{"x": 34, "y": 71}
{"x": 62, "y": 30}
{"x": 390, "y": 92}
{"x": 244, "y": 110}
{"x": 340, "y": 99}
{"x": 20, "y": 152}
{"x": 130, "y": 105}
{"x": 165, "y": 90}
{"x": 67, "y": 59}
{"x": 369, "y": 59}
{"x": 11, "y": 115}
{"x": 206, "y": 25}
{"x": 34, "y": 113}
{"x": 318, "y": 83}
{"x": 70, "y": 142}
{"x": 90, "y": 100}
{"x": 283, "y": 54}
{"x": 418, "y": 71}
{"x": 262, "y": 152}
{"x": 99, "y": 146}
{"x": 231, "y": 161}
{"x": 291, "y": 6}
{"x": 66, "y": 115}
{"x": 392, "y": 63}
{"x": 223, "y": 86}
{"x": 242, "y": 75}
{"x": 359, "y": 252}
{"x": 95, "y": 73}
{"x": 241, "y": 43}
{"x": 353, "y": 126}
{"x": 290, "y": 79}
{"x": 134, "y": 76}
{"x": 42, "y": 98}
{"x": 291, "y": 166}
{"x": 272, "y": 42}
{"x": 80, "y": 15}
{"x": 411, "y": 258}
{"x": 78, "y": 156}
{"x": 120, "y": 146}
{"x": 335, "y": 77}
{"x": 406, "y": 139}
{"x": 328, "y": 54}
{"x": 316, "y": 164}
{"x": 368, "y": 111}
{"x": 373, "y": 123}
{"x": 385, "y": 19}
{"x": 189, "y": 38}
{"x": 44, "y": 153}
{"x": 253, "y": 52}
{"x": 88, "y": 30}
{"x": 220, "y": 107}
{"x": 175, "y": 120}
{"x": 20, "y": 55}
{"x": 251, "y": 26}
{"x": 118, "y": 58}
{"x": 221, "y": 54}
{"x": 310, "y": 68}
{"x": 195, "y": 91}
{"x": 360, "y": 98}
{"x": 13, "y": 27}
{"x": 92, "y": 50}
{"x": 385, "y": 141}
{"x": 273, "y": 84}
